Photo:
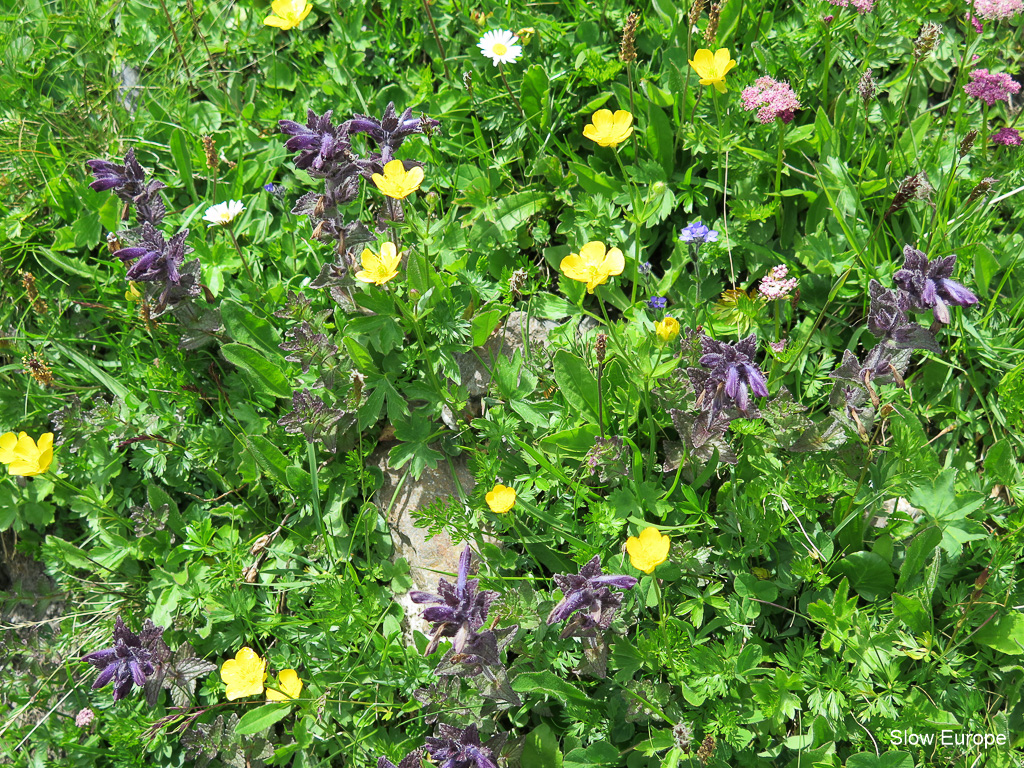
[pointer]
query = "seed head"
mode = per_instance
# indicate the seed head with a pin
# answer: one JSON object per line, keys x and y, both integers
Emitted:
{"x": 981, "y": 189}
{"x": 210, "y": 148}
{"x": 707, "y": 749}
{"x": 38, "y": 370}
{"x": 967, "y": 142}
{"x": 600, "y": 347}
{"x": 866, "y": 86}
{"x": 627, "y": 50}
{"x": 927, "y": 40}
{"x": 695, "y": 11}
{"x": 714, "y": 16}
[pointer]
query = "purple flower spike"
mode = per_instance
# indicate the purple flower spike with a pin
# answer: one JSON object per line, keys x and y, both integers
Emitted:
{"x": 412, "y": 760}
{"x": 457, "y": 748}
{"x": 130, "y": 661}
{"x": 589, "y": 592}
{"x": 698, "y": 234}
{"x": 391, "y": 130}
{"x": 929, "y": 286}
{"x": 459, "y": 611}
{"x": 733, "y": 374}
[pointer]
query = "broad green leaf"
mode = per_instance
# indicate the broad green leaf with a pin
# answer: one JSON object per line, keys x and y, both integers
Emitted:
{"x": 182, "y": 154}
{"x": 601, "y": 753}
{"x": 869, "y": 575}
{"x": 576, "y": 383}
{"x": 550, "y": 684}
{"x": 1005, "y": 634}
{"x": 263, "y": 717}
{"x": 246, "y": 328}
{"x": 661, "y": 139}
{"x": 911, "y": 611}
{"x": 535, "y": 96}
{"x": 263, "y": 371}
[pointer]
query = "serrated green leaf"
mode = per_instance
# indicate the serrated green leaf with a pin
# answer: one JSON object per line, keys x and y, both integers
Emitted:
{"x": 264, "y": 372}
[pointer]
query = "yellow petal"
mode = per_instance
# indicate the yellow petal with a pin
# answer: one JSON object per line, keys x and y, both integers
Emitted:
{"x": 722, "y": 60}
{"x": 289, "y": 685}
{"x": 7, "y": 444}
{"x": 593, "y": 252}
{"x": 277, "y": 21}
{"x": 501, "y": 499}
{"x": 603, "y": 119}
{"x": 614, "y": 262}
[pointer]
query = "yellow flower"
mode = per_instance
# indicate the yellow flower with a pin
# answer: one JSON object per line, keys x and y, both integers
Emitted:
{"x": 379, "y": 269}
{"x": 649, "y": 551}
{"x": 592, "y": 265}
{"x": 288, "y": 13}
{"x": 607, "y": 129}
{"x": 289, "y": 685}
{"x": 712, "y": 67}
{"x": 244, "y": 674}
{"x": 24, "y": 456}
{"x": 667, "y": 329}
{"x": 133, "y": 293}
{"x": 501, "y": 499}
{"x": 398, "y": 182}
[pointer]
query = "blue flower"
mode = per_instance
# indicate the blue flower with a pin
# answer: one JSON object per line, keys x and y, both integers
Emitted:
{"x": 657, "y": 302}
{"x": 130, "y": 661}
{"x": 698, "y": 234}
{"x": 645, "y": 268}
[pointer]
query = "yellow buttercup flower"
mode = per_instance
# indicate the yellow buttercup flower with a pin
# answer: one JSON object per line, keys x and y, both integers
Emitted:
{"x": 649, "y": 550}
{"x": 288, "y": 684}
{"x": 244, "y": 674}
{"x": 379, "y": 269}
{"x": 287, "y": 13}
{"x": 593, "y": 265}
{"x": 501, "y": 499}
{"x": 23, "y": 456}
{"x": 133, "y": 293}
{"x": 609, "y": 129}
{"x": 712, "y": 67}
{"x": 667, "y": 329}
{"x": 396, "y": 182}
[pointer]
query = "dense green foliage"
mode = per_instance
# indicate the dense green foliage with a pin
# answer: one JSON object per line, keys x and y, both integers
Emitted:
{"x": 844, "y": 563}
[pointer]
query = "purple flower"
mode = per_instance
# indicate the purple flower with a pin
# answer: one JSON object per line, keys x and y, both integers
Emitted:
{"x": 645, "y": 269}
{"x": 391, "y": 130}
{"x": 698, "y": 234}
{"x": 318, "y": 142}
{"x": 412, "y": 760}
{"x": 130, "y": 661}
{"x": 657, "y": 302}
{"x": 128, "y": 181}
{"x": 459, "y": 610}
{"x": 457, "y": 748}
{"x": 732, "y": 374}
{"x": 929, "y": 286}
{"x": 998, "y": 9}
{"x": 588, "y": 591}
{"x": 1008, "y": 137}
{"x": 771, "y": 99}
{"x": 991, "y": 87}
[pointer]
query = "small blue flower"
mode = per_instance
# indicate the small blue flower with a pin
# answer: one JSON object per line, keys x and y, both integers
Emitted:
{"x": 275, "y": 189}
{"x": 698, "y": 234}
{"x": 657, "y": 302}
{"x": 645, "y": 268}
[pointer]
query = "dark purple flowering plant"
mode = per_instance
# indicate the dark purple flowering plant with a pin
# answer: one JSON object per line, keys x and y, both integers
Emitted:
{"x": 130, "y": 660}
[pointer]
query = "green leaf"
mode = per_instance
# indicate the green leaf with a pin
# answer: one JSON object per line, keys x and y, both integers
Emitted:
{"x": 259, "y": 719}
{"x": 749, "y": 586}
{"x": 869, "y": 575}
{"x": 660, "y": 139}
{"x": 263, "y": 371}
{"x": 246, "y": 328}
{"x": 550, "y": 684}
{"x": 601, "y": 753}
{"x": 182, "y": 155}
{"x": 911, "y": 611}
{"x": 550, "y": 307}
{"x": 269, "y": 457}
{"x": 941, "y": 504}
{"x": 512, "y": 211}
{"x": 575, "y": 442}
{"x": 1005, "y": 634}
{"x": 922, "y": 545}
{"x": 535, "y": 96}
{"x": 483, "y": 325}
{"x": 281, "y": 74}
{"x": 576, "y": 383}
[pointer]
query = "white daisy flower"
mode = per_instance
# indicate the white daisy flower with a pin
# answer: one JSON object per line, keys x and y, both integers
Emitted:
{"x": 223, "y": 214}
{"x": 499, "y": 45}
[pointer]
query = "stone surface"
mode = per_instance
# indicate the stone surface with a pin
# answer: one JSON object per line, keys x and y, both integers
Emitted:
{"x": 429, "y": 559}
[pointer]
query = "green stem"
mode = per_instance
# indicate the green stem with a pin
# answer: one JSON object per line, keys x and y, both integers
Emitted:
{"x": 778, "y": 175}
{"x": 633, "y": 199}
{"x": 501, "y": 71}
{"x": 407, "y": 312}
{"x": 245, "y": 262}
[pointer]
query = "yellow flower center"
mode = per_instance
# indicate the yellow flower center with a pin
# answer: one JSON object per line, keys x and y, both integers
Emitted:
{"x": 500, "y": 49}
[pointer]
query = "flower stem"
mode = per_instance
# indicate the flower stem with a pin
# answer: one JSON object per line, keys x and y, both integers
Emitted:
{"x": 437, "y": 39}
{"x": 501, "y": 71}
{"x": 778, "y": 175}
{"x": 245, "y": 262}
{"x": 315, "y": 486}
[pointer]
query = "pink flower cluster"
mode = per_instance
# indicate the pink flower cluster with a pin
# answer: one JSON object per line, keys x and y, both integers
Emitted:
{"x": 1008, "y": 137}
{"x": 774, "y": 285}
{"x": 991, "y": 87}
{"x": 862, "y": 6}
{"x": 771, "y": 99}
{"x": 998, "y": 9}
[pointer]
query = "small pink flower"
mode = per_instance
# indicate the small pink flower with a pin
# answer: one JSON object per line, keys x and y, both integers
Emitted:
{"x": 991, "y": 87}
{"x": 975, "y": 22}
{"x": 998, "y": 10}
{"x": 862, "y": 6}
{"x": 771, "y": 99}
{"x": 1008, "y": 137}
{"x": 774, "y": 285}
{"x": 778, "y": 346}
{"x": 83, "y": 718}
